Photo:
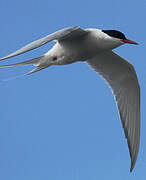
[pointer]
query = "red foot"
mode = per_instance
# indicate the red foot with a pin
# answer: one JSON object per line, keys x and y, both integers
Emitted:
{"x": 54, "y": 58}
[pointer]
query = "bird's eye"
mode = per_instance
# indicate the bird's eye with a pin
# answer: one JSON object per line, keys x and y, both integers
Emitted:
{"x": 54, "y": 58}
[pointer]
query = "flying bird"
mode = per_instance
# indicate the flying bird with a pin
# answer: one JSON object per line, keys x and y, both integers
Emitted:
{"x": 95, "y": 47}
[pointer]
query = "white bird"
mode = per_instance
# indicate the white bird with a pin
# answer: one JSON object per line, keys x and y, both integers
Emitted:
{"x": 94, "y": 46}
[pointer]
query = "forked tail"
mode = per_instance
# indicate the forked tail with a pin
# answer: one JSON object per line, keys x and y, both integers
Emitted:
{"x": 35, "y": 62}
{"x": 38, "y": 62}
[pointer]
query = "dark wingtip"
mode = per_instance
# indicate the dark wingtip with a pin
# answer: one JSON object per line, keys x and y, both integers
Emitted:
{"x": 132, "y": 165}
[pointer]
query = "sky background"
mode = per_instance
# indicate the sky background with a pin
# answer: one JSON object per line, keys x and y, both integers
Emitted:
{"x": 62, "y": 123}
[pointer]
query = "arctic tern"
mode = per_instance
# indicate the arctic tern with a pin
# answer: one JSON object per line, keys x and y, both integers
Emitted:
{"x": 94, "y": 46}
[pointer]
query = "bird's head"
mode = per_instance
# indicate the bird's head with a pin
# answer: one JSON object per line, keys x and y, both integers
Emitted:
{"x": 118, "y": 36}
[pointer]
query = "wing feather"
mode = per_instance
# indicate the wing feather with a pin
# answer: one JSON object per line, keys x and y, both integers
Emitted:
{"x": 122, "y": 78}
{"x": 67, "y": 33}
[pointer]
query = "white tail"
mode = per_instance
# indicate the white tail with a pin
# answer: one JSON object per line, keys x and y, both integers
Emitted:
{"x": 35, "y": 62}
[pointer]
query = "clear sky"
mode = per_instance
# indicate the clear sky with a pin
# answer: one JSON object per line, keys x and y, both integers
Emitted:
{"x": 62, "y": 123}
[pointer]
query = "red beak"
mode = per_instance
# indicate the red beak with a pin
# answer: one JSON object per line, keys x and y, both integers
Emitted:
{"x": 129, "y": 41}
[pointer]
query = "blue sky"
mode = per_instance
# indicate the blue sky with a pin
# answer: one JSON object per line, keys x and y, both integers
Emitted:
{"x": 62, "y": 123}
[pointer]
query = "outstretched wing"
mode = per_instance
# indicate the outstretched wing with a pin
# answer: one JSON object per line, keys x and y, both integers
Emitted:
{"x": 122, "y": 78}
{"x": 67, "y": 33}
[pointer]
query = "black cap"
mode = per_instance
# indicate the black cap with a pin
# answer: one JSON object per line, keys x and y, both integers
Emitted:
{"x": 115, "y": 34}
